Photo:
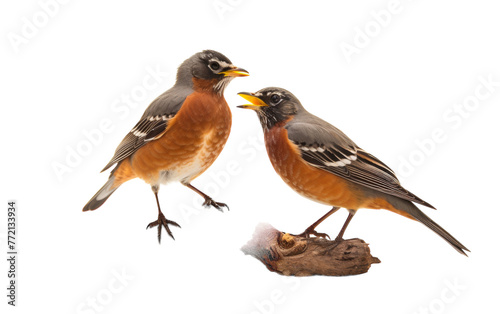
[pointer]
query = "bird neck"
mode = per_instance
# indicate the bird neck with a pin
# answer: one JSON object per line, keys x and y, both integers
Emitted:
{"x": 270, "y": 121}
{"x": 213, "y": 86}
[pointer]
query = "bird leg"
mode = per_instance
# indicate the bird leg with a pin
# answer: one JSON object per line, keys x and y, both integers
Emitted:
{"x": 340, "y": 236}
{"x": 208, "y": 200}
{"x": 162, "y": 221}
{"x": 310, "y": 230}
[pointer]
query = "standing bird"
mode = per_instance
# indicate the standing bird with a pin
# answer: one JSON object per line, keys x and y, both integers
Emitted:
{"x": 321, "y": 163}
{"x": 180, "y": 134}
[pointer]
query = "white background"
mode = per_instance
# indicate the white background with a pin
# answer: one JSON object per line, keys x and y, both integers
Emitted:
{"x": 397, "y": 89}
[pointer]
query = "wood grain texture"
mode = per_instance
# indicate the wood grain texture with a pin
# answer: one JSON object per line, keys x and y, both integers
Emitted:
{"x": 292, "y": 255}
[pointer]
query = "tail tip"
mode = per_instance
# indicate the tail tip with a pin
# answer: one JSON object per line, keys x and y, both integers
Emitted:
{"x": 462, "y": 250}
{"x": 89, "y": 207}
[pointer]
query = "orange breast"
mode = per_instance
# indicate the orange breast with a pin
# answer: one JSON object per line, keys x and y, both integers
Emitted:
{"x": 313, "y": 183}
{"x": 193, "y": 140}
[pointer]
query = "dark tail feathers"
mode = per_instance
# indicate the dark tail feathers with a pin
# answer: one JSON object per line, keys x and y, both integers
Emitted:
{"x": 101, "y": 196}
{"x": 413, "y": 210}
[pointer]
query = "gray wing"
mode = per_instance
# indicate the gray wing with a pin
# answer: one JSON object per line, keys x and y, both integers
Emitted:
{"x": 152, "y": 124}
{"x": 326, "y": 147}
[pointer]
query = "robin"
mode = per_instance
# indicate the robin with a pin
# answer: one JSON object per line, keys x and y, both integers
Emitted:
{"x": 180, "y": 134}
{"x": 321, "y": 163}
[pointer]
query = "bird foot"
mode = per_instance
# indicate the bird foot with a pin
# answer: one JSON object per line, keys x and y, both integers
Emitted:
{"x": 210, "y": 202}
{"x": 307, "y": 234}
{"x": 338, "y": 239}
{"x": 162, "y": 221}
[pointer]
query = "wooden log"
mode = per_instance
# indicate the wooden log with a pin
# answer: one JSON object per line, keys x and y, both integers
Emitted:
{"x": 291, "y": 255}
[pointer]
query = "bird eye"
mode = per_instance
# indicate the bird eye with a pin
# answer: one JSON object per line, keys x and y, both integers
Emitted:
{"x": 275, "y": 99}
{"x": 214, "y": 65}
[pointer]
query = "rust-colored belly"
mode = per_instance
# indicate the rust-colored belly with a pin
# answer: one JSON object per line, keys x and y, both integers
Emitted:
{"x": 191, "y": 143}
{"x": 313, "y": 183}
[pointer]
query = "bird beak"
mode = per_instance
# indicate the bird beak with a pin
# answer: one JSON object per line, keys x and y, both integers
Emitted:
{"x": 235, "y": 72}
{"x": 256, "y": 102}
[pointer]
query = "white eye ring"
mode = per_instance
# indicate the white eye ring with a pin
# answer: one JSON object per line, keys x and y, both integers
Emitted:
{"x": 214, "y": 65}
{"x": 275, "y": 99}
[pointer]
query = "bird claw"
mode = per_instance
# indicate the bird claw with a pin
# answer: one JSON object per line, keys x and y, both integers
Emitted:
{"x": 162, "y": 221}
{"x": 307, "y": 234}
{"x": 210, "y": 202}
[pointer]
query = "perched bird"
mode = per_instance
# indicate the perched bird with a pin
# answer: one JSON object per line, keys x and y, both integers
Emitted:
{"x": 321, "y": 163}
{"x": 180, "y": 134}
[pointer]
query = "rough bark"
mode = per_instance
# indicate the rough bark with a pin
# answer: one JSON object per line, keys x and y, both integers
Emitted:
{"x": 291, "y": 255}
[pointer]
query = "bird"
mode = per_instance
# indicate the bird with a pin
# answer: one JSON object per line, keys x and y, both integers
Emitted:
{"x": 321, "y": 163}
{"x": 180, "y": 134}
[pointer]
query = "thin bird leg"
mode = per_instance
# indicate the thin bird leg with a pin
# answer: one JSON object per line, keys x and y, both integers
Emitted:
{"x": 310, "y": 230}
{"x": 162, "y": 221}
{"x": 341, "y": 233}
{"x": 208, "y": 200}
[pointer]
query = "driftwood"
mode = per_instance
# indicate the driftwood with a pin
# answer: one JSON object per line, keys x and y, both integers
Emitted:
{"x": 291, "y": 255}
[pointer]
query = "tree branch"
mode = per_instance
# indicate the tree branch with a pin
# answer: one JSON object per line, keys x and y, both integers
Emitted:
{"x": 291, "y": 255}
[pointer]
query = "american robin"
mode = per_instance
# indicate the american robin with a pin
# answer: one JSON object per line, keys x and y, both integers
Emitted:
{"x": 180, "y": 134}
{"x": 321, "y": 163}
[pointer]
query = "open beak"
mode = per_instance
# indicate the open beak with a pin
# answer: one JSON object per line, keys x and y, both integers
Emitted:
{"x": 236, "y": 72}
{"x": 255, "y": 102}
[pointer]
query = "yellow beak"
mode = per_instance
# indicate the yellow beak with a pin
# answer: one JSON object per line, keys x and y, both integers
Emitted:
{"x": 236, "y": 72}
{"x": 256, "y": 102}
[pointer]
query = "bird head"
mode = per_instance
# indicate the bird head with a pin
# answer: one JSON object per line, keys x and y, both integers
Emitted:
{"x": 273, "y": 105}
{"x": 208, "y": 69}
